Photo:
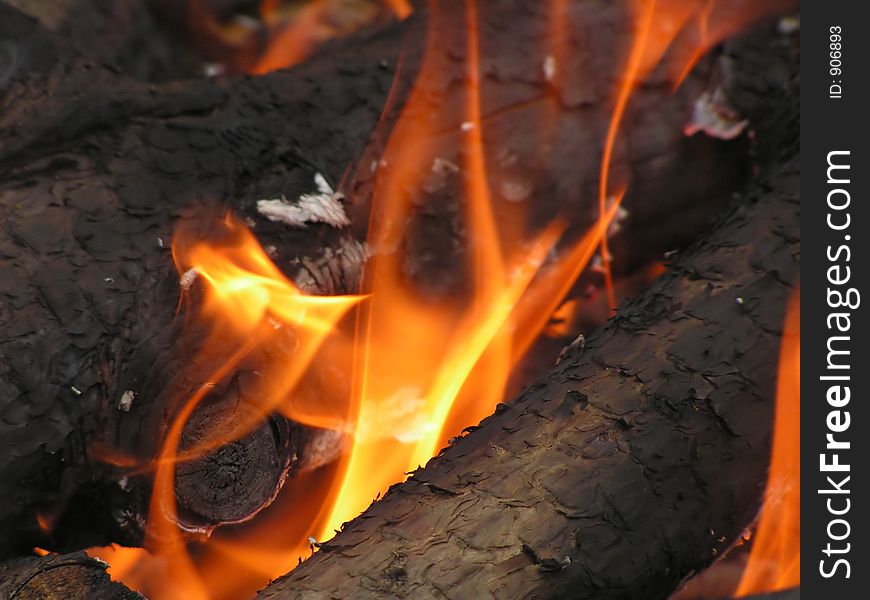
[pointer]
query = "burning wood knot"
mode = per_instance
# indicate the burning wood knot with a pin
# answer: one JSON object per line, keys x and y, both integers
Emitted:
{"x": 396, "y": 571}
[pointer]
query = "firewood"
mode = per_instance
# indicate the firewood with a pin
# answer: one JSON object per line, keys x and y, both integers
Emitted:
{"x": 97, "y": 170}
{"x": 636, "y": 461}
{"x": 125, "y": 36}
{"x": 60, "y": 577}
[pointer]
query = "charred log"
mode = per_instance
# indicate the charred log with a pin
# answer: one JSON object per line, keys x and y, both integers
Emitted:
{"x": 125, "y": 36}
{"x": 65, "y": 577}
{"x": 636, "y": 461}
{"x": 631, "y": 464}
{"x": 99, "y": 168}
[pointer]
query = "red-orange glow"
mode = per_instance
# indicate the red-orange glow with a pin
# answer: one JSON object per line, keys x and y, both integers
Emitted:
{"x": 702, "y": 45}
{"x": 41, "y": 551}
{"x": 291, "y": 45}
{"x": 401, "y": 8}
{"x": 563, "y": 318}
{"x": 775, "y": 558}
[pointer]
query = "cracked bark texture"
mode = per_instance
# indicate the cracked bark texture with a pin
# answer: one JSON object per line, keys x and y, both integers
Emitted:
{"x": 63, "y": 577}
{"x": 633, "y": 463}
{"x": 97, "y": 168}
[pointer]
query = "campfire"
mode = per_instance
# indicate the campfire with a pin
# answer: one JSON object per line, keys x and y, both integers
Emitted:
{"x": 369, "y": 298}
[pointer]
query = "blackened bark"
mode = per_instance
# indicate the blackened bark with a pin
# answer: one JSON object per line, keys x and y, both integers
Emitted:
{"x": 97, "y": 169}
{"x": 97, "y": 172}
{"x": 124, "y": 36}
{"x": 63, "y": 577}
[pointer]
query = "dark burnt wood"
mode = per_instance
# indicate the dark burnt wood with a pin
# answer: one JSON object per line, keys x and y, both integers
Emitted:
{"x": 98, "y": 166}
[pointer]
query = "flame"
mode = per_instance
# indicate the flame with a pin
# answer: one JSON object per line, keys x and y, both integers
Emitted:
{"x": 314, "y": 23}
{"x": 420, "y": 366}
{"x": 775, "y": 558}
{"x": 454, "y": 359}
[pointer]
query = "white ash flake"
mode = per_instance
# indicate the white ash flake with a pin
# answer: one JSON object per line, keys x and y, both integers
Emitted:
{"x": 442, "y": 166}
{"x": 75, "y": 390}
{"x": 467, "y": 126}
{"x": 596, "y": 264}
{"x": 515, "y": 189}
{"x": 616, "y": 224}
{"x": 324, "y": 206}
{"x": 789, "y": 25}
{"x": 126, "y": 401}
{"x": 549, "y": 67}
{"x": 713, "y": 115}
{"x": 214, "y": 69}
{"x": 187, "y": 278}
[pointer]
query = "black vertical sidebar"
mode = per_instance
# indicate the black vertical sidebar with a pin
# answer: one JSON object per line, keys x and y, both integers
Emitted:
{"x": 835, "y": 262}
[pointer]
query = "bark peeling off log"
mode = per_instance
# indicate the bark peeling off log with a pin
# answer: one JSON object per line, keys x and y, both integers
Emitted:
{"x": 65, "y": 577}
{"x": 633, "y": 463}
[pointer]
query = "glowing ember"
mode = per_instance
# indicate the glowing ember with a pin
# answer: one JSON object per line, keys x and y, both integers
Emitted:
{"x": 775, "y": 558}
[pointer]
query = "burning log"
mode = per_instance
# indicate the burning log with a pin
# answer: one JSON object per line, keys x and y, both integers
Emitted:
{"x": 90, "y": 199}
{"x": 642, "y": 456}
{"x": 98, "y": 169}
{"x": 65, "y": 577}
{"x": 636, "y": 461}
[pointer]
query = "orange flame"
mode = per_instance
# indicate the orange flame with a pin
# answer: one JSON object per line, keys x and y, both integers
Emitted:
{"x": 775, "y": 558}
{"x": 454, "y": 359}
{"x": 420, "y": 366}
{"x": 310, "y": 27}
